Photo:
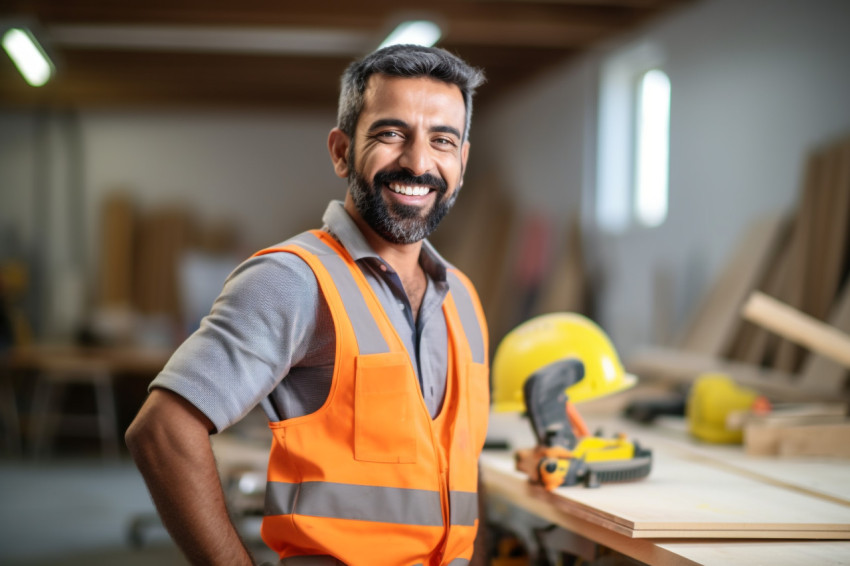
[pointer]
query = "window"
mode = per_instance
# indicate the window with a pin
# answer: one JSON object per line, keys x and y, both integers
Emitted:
{"x": 633, "y": 141}
{"x": 652, "y": 148}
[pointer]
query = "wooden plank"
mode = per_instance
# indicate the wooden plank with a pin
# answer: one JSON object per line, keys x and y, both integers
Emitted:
{"x": 508, "y": 486}
{"x": 820, "y": 371}
{"x": 798, "y": 327}
{"x": 824, "y": 478}
{"x": 816, "y": 477}
{"x": 714, "y": 325}
{"x": 832, "y": 244}
{"x": 794, "y": 289}
{"x": 765, "y": 438}
{"x": 565, "y": 286}
{"x": 683, "y": 498}
{"x": 761, "y": 553}
{"x": 754, "y": 342}
{"x": 816, "y": 440}
{"x": 116, "y": 251}
{"x": 737, "y": 420}
{"x": 678, "y": 367}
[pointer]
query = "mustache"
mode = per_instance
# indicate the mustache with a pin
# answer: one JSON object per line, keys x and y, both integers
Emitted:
{"x": 399, "y": 176}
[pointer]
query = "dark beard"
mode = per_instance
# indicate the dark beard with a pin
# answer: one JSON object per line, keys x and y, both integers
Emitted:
{"x": 399, "y": 223}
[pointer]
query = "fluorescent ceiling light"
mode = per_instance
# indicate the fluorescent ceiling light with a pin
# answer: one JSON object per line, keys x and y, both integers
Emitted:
{"x": 28, "y": 56}
{"x": 419, "y": 32}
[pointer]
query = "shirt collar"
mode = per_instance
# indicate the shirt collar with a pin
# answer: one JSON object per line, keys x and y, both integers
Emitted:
{"x": 343, "y": 228}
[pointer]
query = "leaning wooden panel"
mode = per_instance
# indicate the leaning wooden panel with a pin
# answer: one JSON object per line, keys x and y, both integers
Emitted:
{"x": 833, "y": 236}
{"x": 794, "y": 285}
{"x": 753, "y": 343}
{"x": 714, "y": 326}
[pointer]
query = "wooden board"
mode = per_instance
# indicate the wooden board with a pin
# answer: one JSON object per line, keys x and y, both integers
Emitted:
{"x": 820, "y": 371}
{"x": 819, "y": 478}
{"x": 714, "y": 325}
{"x": 677, "y": 366}
{"x": 687, "y": 499}
{"x": 117, "y": 233}
{"x": 824, "y": 478}
{"x": 816, "y": 440}
{"x": 761, "y": 553}
{"x": 798, "y": 327}
{"x": 565, "y": 286}
{"x": 794, "y": 285}
{"x": 832, "y": 235}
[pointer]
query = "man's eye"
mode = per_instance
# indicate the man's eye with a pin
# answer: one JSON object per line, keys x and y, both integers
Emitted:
{"x": 388, "y": 135}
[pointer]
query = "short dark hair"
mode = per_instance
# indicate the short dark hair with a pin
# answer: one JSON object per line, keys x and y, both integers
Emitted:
{"x": 409, "y": 61}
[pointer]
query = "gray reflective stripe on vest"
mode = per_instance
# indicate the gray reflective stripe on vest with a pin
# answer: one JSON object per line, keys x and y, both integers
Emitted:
{"x": 357, "y": 502}
{"x": 459, "y": 562}
{"x": 369, "y": 337}
{"x": 464, "y": 508}
{"x": 468, "y": 316}
{"x": 315, "y": 560}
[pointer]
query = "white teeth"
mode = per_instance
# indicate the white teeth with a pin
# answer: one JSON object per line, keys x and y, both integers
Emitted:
{"x": 408, "y": 190}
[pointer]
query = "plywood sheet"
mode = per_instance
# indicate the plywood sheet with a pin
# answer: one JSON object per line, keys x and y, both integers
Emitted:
{"x": 761, "y": 553}
{"x": 824, "y": 478}
{"x": 684, "y": 498}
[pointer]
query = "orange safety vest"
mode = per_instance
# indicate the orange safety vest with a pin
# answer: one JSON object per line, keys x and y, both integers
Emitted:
{"x": 370, "y": 478}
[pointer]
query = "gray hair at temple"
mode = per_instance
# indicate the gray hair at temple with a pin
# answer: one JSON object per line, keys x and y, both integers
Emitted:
{"x": 411, "y": 61}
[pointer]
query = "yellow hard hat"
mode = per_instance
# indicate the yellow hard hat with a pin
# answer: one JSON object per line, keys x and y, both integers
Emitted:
{"x": 712, "y": 398}
{"x": 548, "y": 338}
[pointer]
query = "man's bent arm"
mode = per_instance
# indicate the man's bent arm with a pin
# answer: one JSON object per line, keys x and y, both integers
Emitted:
{"x": 169, "y": 440}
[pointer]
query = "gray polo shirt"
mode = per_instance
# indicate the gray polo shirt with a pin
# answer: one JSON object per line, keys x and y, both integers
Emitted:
{"x": 269, "y": 338}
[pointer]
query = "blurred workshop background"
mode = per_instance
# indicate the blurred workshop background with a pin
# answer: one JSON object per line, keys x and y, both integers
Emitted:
{"x": 643, "y": 162}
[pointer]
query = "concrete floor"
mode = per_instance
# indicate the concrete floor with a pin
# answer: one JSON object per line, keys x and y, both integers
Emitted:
{"x": 79, "y": 513}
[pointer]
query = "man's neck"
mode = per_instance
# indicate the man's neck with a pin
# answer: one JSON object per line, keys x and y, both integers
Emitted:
{"x": 403, "y": 258}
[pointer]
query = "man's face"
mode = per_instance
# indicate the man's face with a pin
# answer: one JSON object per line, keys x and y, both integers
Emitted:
{"x": 406, "y": 160}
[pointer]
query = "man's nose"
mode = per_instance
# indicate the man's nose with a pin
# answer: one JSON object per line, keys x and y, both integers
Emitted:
{"x": 416, "y": 157}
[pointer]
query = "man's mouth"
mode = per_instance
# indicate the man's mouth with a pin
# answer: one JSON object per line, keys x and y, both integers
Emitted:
{"x": 409, "y": 190}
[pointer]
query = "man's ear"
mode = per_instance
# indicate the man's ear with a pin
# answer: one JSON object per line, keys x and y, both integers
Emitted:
{"x": 464, "y": 155}
{"x": 338, "y": 144}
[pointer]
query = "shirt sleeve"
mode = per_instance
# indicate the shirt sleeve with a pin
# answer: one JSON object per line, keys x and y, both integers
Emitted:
{"x": 258, "y": 328}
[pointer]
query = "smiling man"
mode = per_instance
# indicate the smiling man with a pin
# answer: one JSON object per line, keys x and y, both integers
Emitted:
{"x": 365, "y": 349}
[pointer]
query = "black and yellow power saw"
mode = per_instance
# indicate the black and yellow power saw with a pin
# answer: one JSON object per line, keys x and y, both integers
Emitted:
{"x": 566, "y": 454}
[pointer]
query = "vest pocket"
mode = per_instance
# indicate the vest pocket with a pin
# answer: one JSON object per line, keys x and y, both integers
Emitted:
{"x": 384, "y": 409}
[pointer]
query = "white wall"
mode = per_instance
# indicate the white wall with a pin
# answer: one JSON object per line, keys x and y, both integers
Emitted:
{"x": 755, "y": 85}
{"x": 269, "y": 173}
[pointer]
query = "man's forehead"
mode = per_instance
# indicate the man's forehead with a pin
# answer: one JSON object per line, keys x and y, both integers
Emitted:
{"x": 380, "y": 85}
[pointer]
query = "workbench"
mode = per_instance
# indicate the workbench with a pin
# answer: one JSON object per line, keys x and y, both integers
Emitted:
{"x": 701, "y": 504}
{"x": 54, "y": 366}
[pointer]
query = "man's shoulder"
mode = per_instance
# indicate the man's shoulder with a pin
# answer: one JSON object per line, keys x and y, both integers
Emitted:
{"x": 273, "y": 269}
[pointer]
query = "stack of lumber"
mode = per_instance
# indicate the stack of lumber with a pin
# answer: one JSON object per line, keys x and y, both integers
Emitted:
{"x": 802, "y": 262}
{"x": 164, "y": 234}
{"x": 141, "y": 254}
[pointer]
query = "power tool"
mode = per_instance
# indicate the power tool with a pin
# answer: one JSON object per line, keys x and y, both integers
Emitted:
{"x": 566, "y": 453}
